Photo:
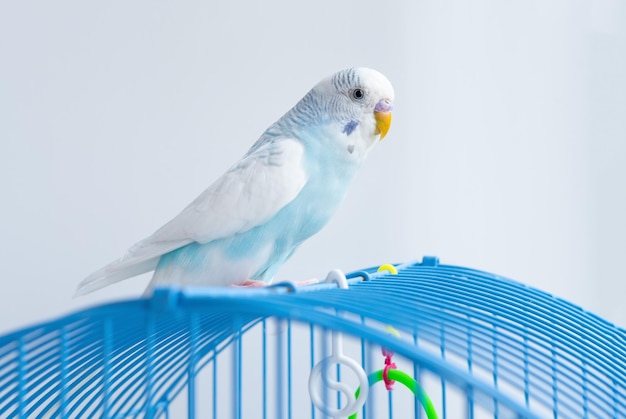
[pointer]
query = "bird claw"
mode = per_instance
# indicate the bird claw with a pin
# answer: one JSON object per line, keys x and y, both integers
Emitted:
{"x": 307, "y": 282}
{"x": 251, "y": 283}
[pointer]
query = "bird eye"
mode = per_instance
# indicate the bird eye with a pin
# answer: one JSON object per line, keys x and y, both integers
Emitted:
{"x": 358, "y": 94}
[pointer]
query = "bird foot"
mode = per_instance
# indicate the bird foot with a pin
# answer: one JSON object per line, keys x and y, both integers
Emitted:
{"x": 307, "y": 282}
{"x": 251, "y": 283}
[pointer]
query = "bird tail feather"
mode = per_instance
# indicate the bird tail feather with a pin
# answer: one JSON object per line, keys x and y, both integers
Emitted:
{"x": 142, "y": 257}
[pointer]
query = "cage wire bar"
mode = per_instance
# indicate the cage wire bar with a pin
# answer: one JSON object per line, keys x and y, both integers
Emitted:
{"x": 473, "y": 344}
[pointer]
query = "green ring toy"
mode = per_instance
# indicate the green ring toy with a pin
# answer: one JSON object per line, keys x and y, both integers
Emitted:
{"x": 409, "y": 383}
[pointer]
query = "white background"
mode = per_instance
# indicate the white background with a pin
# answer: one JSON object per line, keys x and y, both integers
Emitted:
{"x": 506, "y": 153}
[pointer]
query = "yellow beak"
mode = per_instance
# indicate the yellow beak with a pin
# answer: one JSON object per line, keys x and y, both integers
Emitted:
{"x": 383, "y": 122}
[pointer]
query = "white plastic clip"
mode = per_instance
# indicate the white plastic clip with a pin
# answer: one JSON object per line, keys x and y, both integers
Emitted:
{"x": 337, "y": 277}
{"x": 320, "y": 375}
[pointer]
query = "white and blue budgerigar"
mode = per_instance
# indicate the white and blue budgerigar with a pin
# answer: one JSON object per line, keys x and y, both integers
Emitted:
{"x": 243, "y": 227}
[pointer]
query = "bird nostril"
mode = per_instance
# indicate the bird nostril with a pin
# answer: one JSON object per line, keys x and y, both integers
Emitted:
{"x": 383, "y": 105}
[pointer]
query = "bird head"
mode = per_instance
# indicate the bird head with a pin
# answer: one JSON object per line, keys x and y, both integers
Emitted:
{"x": 357, "y": 103}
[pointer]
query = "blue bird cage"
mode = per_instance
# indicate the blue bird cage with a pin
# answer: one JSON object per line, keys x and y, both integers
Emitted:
{"x": 419, "y": 340}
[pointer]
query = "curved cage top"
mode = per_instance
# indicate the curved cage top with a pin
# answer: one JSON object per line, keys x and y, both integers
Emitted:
{"x": 505, "y": 347}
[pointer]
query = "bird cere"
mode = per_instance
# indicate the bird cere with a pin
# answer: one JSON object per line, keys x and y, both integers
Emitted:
{"x": 244, "y": 226}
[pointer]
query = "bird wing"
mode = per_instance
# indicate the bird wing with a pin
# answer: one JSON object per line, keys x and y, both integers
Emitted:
{"x": 249, "y": 194}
